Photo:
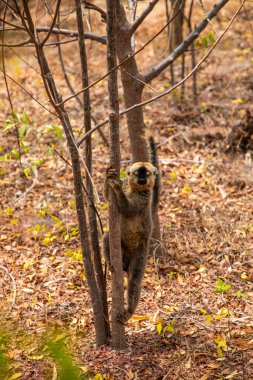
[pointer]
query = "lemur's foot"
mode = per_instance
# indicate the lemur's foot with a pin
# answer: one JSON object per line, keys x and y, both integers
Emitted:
{"x": 125, "y": 316}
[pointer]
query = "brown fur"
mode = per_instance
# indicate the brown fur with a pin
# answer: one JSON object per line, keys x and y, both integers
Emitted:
{"x": 137, "y": 202}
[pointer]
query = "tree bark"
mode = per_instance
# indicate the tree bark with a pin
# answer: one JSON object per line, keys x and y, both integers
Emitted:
{"x": 118, "y": 329}
{"x": 54, "y": 97}
{"x": 176, "y": 29}
{"x": 88, "y": 159}
{"x": 131, "y": 87}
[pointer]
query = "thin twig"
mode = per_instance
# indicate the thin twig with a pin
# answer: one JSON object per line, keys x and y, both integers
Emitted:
{"x": 23, "y": 195}
{"x": 142, "y": 17}
{"x": 207, "y": 18}
{"x": 20, "y": 44}
{"x": 138, "y": 80}
{"x": 94, "y": 7}
{"x": 53, "y": 23}
{"x": 7, "y": 88}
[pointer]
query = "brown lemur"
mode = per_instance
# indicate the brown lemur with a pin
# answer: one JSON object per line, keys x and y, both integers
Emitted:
{"x": 137, "y": 197}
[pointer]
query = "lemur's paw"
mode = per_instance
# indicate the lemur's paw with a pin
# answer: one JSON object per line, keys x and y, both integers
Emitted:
{"x": 124, "y": 317}
{"x": 113, "y": 179}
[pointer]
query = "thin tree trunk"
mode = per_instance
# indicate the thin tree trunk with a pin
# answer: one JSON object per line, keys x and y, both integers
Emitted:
{"x": 88, "y": 159}
{"x": 54, "y": 97}
{"x": 133, "y": 89}
{"x": 118, "y": 329}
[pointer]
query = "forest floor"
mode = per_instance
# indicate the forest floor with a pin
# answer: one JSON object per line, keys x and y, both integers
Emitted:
{"x": 195, "y": 316}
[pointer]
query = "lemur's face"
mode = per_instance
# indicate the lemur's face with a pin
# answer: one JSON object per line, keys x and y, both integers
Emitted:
{"x": 141, "y": 175}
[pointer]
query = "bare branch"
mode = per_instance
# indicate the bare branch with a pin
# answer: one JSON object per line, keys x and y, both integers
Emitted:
{"x": 66, "y": 32}
{"x": 142, "y": 17}
{"x": 122, "y": 62}
{"x": 11, "y": 24}
{"x": 24, "y": 43}
{"x": 7, "y": 86}
{"x": 179, "y": 50}
{"x": 95, "y": 8}
{"x": 123, "y": 112}
{"x": 53, "y": 22}
{"x": 73, "y": 33}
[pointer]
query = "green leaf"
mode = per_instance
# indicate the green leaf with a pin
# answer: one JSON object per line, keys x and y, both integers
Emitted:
{"x": 196, "y": 44}
{"x": 211, "y": 38}
{"x": 15, "y": 153}
{"x": 204, "y": 41}
{"x": 122, "y": 173}
{"x": 22, "y": 131}
{"x": 25, "y": 119}
{"x": 62, "y": 356}
{"x": 55, "y": 128}
{"x": 27, "y": 172}
{"x": 8, "y": 125}
{"x": 14, "y": 117}
{"x": 240, "y": 294}
{"x": 38, "y": 162}
{"x": 221, "y": 286}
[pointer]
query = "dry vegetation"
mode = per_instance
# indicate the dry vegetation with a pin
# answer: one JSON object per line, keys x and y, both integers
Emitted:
{"x": 205, "y": 211}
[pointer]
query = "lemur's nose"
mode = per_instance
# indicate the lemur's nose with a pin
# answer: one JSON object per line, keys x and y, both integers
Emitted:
{"x": 142, "y": 181}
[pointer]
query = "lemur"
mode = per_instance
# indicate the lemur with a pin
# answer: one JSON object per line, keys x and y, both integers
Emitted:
{"x": 137, "y": 198}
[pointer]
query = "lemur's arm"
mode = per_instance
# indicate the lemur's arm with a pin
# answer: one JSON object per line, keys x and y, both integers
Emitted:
{"x": 125, "y": 206}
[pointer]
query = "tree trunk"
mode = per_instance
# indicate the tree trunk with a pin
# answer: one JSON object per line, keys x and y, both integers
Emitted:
{"x": 118, "y": 329}
{"x": 88, "y": 159}
{"x": 133, "y": 89}
{"x": 54, "y": 97}
{"x": 176, "y": 29}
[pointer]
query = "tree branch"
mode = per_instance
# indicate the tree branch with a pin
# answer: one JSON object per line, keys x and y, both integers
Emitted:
{"x": 94, "y": 7}
{"x": 123, "y": 112}
{"x": 142, "y": 17}
{"x": 179, "y": 50}
{"x": 65, "y": 32}
{"x": 122, "y": 62}
{"x": 53, "y": 22}
{"x": 20, "y": 44}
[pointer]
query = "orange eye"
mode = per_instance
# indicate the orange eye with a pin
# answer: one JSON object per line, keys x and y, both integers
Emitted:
{"x": 148, "y": 173}
{"x": 136, "y": 172}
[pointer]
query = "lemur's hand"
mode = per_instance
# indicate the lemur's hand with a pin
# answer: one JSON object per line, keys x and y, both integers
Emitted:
{"x": 112, "y": 179}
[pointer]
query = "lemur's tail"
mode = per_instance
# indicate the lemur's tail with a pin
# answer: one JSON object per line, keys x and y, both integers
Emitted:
{"x": 154, "y": 161}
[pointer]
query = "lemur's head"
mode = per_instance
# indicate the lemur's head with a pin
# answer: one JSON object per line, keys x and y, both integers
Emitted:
{"x": 141, "y": 176}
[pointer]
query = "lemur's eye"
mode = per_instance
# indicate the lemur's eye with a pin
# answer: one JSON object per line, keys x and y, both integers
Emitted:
{"x": 136, "y": 172}
{"x": 148, "y": 173}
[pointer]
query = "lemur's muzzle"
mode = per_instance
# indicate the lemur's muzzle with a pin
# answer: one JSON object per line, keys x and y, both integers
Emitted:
{"x": 142, "y": 181}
